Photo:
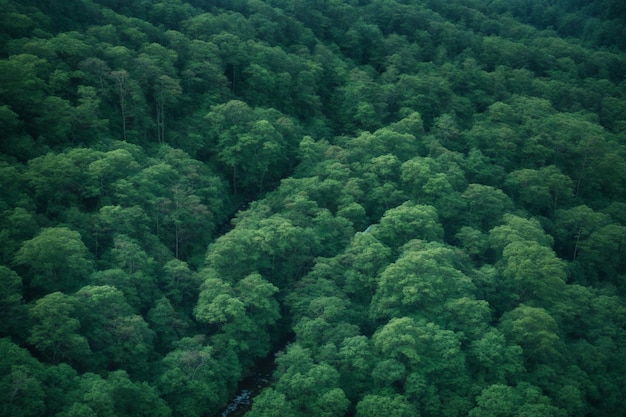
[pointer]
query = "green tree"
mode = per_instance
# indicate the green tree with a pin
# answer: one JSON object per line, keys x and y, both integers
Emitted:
{"x": 541, "y": 191}
{"x": 389, "y": 373}
{"x": 135, "y": 398}
{"x": 60, "y": 180}
{"x": 190, "y": 382}
{"x": 55, "y": 330}
{"x": 115, "y": 395}
{"x": 325, "y": 321}
{"x": 130, "y": 257}
{"x": 121, "y": 80}
{"x": 480, "y": 169}
{"x": 184, "y": 213}
{"x": 117, "y": 337}
{"x": 166, "y": 93}
{"x": 251, "y": 144}
{"x": 115, "y": 220}
{"x": 473, "y": 242}
{"x": 425, "y": 362}
{"x": 363, "y": 259}
{"x": 579, "y": 147}
{"x": 132, "y": 271}
{"x": 54, "y": 123}
{"x": 130, "y": 100}
{"x": 446, "y": 130}
{"x": 244, "y": 312}
{"x": 270, "y": 403}
{"x": 129, "y": 285}
{"x": 54, "y": 260}
{"x": 356, "y": 362}
{"x": 379, "y": 181}
{"x": 181, "y": 285}
{"x": 428, "y": 94}
{"x": 13, "y": 187}
{"x": 422, "y": 346}
{"x": 421, "y": 279}
{"x": 485, "y": 205}
{"x": 573, "y": 226}
{"x": 92, "y": 397}
{"x": 77, "y": 410}
{"x": 168, "y": 324}
{"x": 603, "y": 252}
{"x": 522, "y": 400}
{"x": 21, "y": 391}
{"x": 16, "y": 142}
{"x": 22, "y": 87}
{"x": 416, "y": 173}
{"x": 536, "y": 273}
{"x": 218, "y": 303}
{"x": 258, "y": 297}
{"x": 363, "y": 105}
{"x": 466, "y": 316}
{"x": 536, "y": 331}
{"x": 378, "y": 405}
{"x": 492, "y": 360}
{"x": 312, "y": 389}
{"x": 234, "y": 254}
{"x": 408, "y": 221}
{"x": 12, "y": 308}
{"x": 518, "y": 229}
{"x": 88, "y": 121}
{"x": 109, "y": 167}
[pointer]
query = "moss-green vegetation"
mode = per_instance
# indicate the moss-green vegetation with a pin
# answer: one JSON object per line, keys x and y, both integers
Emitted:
{"x": 426, "y": 198}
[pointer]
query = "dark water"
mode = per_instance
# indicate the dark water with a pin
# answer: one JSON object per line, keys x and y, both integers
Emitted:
{"x": 249, "y": 388}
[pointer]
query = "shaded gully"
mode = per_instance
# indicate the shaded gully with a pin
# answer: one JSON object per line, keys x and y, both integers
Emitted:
{"x": 250, "y": 387}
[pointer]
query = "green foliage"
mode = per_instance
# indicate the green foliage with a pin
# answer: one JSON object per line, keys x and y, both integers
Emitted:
{"x": 56, "y": 259}
{"x": 54, "y": 331}
{"x": 117, "y": 337}
{"x": 311, "y": 388}
{"x": 12, "y": 305}
{"x": 377, "y": 405}
{"x": 411, "y": 208}
{"x": 409, "y": 221}
{"x": 115, "y": 395}
{"x": 535, "y": 330}
{"x": 189, "y": 382}
{"x": 533, "y": 268}
{"x": 542, "y": 190}
{"x": 485, "y": 205}
{"x": 22, "y": 393}
{"x": 418, "y": 345}
{"x": 524, "y": 399}
{"x": 496, "y": 361}
{"x": 420, "y": 281}
{"x": 256, "y": 150}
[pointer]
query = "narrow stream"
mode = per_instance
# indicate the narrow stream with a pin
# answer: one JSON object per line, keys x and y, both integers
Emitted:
{"x": 250, "y": 387}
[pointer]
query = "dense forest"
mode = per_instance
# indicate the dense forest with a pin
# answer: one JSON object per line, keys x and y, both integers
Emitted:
{"x": 413, "y": 207}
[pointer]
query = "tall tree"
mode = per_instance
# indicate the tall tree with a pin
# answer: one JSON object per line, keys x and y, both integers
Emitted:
{"x": 536, "y": 331}
{"x": 166, "y": 93}
{"x": 408, "y": 221}
{"x": 55, "y": 330}
{"x": 422, "y": 278}
{"x": 310, "y": 388}
{"x": 190, "y": 381}
{"x": 117, "y": 337}
{"x": 20, "y": 381}
{"x": 56, "y": 259}
{"x": 523, "y": 399}
{"x": 12, "y": 308}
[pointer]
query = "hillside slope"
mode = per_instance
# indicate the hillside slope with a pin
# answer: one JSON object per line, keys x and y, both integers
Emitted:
{"x": 419, "y": 205}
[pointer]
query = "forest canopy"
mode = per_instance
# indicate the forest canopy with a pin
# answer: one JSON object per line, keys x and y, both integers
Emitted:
{"x": 412, "y": 208}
